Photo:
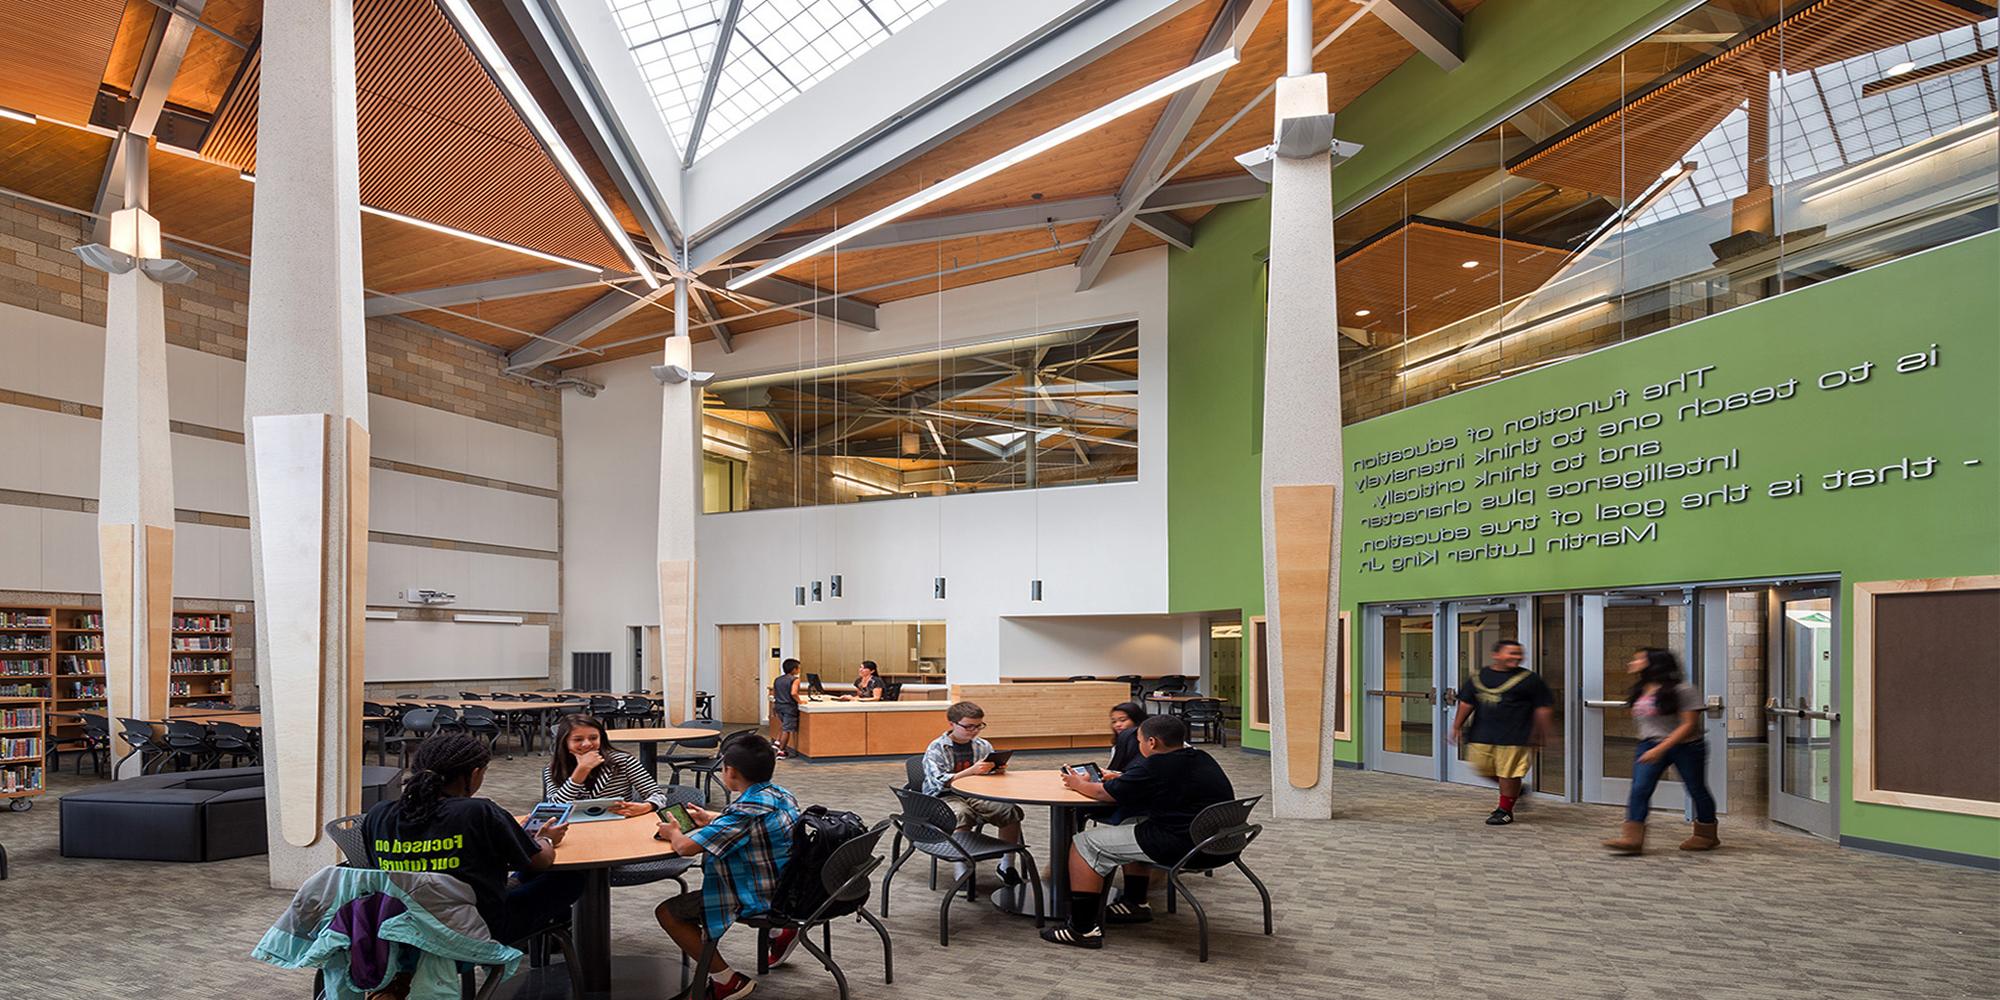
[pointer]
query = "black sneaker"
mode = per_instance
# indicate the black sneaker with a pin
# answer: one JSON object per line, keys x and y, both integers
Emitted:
{"x": 1499, "y": 817}
{"x": 1064, "y": 935}
{"x": 1122, "y": 912}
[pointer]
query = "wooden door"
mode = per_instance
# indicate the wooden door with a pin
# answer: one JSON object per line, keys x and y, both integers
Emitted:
{"x": 742, "y": 663}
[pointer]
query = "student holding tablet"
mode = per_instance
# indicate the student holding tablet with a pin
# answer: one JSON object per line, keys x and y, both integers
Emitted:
{"x": 585, "y": 766}
{"x": 961, "y": 750}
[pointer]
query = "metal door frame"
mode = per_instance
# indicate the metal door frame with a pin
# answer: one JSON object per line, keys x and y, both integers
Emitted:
{"x": 1375, "y": 757}
{"x": 1821, "y": 819}
{"x": 1592, "y": 701}
{"x": 1451, "y": 768}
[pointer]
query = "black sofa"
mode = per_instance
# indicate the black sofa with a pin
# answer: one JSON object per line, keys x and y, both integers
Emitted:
{"x": 188, "y": 816}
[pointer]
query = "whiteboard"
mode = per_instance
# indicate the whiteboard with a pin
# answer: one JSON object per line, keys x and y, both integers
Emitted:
{"x": 405, "y": 650}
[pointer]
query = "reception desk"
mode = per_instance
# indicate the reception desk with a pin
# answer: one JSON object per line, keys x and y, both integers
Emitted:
{"x": 1018, "y": 717}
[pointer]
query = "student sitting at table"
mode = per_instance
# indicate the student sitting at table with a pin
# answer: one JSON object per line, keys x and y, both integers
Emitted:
{"x": 1157, "y": 799}
{"x": 961, "y": 750}
{"x": 1125, "y": 719}
{"x": 867, "y": 685}
{"x": 743, "y": 848}
{"x": 586, "y": 766}
{"x": 439, "y": 825}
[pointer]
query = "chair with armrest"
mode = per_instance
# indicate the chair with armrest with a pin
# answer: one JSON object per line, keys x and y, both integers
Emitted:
{"x": 236, "y": 741}
{"x": 418, "y": 723}
{"x": 345, "y": 833}
{"x": 1205, "y": 717}
{"x": 1221, "y": 833}
{"x": 705, "y": 767}
{"x": 96, "y": 743}
{"x": 143, "y": 739}
{"x": 189, "y": 741}
{"x": 928, "y": 824}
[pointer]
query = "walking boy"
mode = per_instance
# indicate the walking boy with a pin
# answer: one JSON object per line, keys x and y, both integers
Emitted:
{"x": 1512, "y": 711}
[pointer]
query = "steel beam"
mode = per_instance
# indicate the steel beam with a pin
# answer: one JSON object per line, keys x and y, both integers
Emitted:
{"x": 712, "y": 316}
{"x": 709, "y": 80}
{"x": 1166, "y": 227}
{"x": 1229, "y": 31}
{"x": 775, "y": 291}
{"x": 585, "y": 323}
{"x": 1213, "y": 191}
{"x": 159, "y": 64}
{"x": 1429, "y": 26}
{"x": 444, "y": 297}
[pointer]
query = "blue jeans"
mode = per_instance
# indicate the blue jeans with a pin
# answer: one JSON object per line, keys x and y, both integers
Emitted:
{"x": 1690, "y": 759}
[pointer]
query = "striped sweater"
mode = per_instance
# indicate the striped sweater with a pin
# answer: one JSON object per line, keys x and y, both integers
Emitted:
{"x": 619, "y": 777}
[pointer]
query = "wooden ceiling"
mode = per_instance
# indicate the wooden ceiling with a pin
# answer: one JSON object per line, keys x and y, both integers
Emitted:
{"x": 1422, "y": 262}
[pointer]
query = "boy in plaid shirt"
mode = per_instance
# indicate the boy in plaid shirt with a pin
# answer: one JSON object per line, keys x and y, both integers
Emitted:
{"x": 743, "y": 848}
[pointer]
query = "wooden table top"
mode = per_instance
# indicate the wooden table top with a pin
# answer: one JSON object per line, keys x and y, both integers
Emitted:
{"x": 660, "y": 734}
{"x": 599, "y": 694}
{"x": 497, "y": 706}
{"x": 248, "y": 720}
{"x": 609, "y": 842}
{"x": 1181, "y": 697}
{"x": 1038, "y": 788}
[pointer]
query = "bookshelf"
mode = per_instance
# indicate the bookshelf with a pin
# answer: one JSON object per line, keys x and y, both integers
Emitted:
{"x": 23, "y": 750}
{"x": 203, "y": 658}
{"x": 55, "y": 655}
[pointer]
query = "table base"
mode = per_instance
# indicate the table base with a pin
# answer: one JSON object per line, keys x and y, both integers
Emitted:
{"x": 1019, "y": 900}
{"x": 631, "y": 976}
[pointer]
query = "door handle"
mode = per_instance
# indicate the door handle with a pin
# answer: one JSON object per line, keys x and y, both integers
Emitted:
{"x": 1429, "y": 695}
{"x": 1772, "y": 707}
{"x": 1826, "y": 713}
{"x": 1594, "y": 703}
{"x": 1714, "y": 706}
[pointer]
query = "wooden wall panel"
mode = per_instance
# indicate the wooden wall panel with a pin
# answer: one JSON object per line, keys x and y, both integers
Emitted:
{"x": 356, "y": 606}
{"x": 1032, "y": 710}
{"x": 159, "y": 619}
{"x": 1302, "y": 530}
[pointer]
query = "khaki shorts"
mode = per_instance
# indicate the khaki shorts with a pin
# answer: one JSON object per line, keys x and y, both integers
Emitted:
{"x": 1105, "y": 848}
{"x": 970, "y": 812}
{"x": 1498, "y": 761}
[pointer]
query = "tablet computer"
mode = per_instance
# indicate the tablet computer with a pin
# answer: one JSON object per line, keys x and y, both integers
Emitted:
{"x": 592, "y": 810}
{"x": 1088, "y": 769}
{"x": 545, "y": 814}
{"x": 998, "y": 758}
{"x": 680, "y": 816}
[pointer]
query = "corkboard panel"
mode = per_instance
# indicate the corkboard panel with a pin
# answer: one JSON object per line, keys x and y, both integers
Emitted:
{"x": 1927, "y": 688}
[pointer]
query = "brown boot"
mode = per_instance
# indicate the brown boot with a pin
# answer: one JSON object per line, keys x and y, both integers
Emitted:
{"x": 1703, "y": 839}
{"x": 1631, "y": 838}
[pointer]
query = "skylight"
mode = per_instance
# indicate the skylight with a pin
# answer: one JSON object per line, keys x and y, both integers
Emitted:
{"x": 777, "y": 49}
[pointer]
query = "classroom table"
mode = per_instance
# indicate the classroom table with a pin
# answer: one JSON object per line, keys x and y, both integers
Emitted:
{"x": 593, "y": 849}
{"x": 1035, "y": 788}
{"x": 649, "y": 741}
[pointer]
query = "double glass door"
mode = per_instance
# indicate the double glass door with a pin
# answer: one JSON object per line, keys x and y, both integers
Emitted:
{"x": 1801, "y": 723}
{"x": 1613, "y": 627}
{"x": 1418, "y": 656}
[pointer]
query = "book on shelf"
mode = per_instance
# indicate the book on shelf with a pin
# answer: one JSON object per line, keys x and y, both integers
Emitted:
{"x": 24, "y": 644}
{"x": 85, "y": 643}
{"x": 23, "y": 619}
{"x": 201, "y": 643}
{"x": 21, "y": 691}
{"x": 200, "y": 665}
{"x": 77, "y": 665}
{"x": 88, "y": 619}
{"x": 23, "y": 668}
{"x": 201, "y": 623}
{"x": 85, "y": 689}
{"x": 26, "y": 746}
{"x": 20, "y": 718}
{"x": 20, "y": 778}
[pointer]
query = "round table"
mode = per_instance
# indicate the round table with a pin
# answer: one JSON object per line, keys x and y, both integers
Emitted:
{"x": 593, "y": 849}
{"x": 649, "y": 741}
{"x": 1035, "y": 788}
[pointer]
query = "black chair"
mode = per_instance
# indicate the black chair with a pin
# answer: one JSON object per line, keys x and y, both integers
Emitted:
{"x": 648, "y": 872}
{"x": 1135, "y": 682}
{"x": 474, "y": 696}
{"x": 481, "y": 722}
{"x": 606, "y": 709}
{"x": 892, "y": 690}
{"x": 1171, "y": 685}
{"x": 236, "y": 741}
{"x": 927, "y": 822}
{"x": 1221, "y": 833}
{"x": 142, "y": 738}
{"x": 96, "y": 743}
{"x": 845, "y": 876}
{"x": 1083, "y": 677}
{"x": 346, "y": 835}
{"x": 704, "y": 706}
{"x": 1205, "y": 717}
{"x": 189, "y": 741}
{"x": 705, "y": 767}
{"x": 637, "y": 711}
{"x": 418, "y": 723}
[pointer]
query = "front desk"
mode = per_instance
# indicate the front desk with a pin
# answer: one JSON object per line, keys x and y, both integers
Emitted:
{"x": 1018, "y": 717}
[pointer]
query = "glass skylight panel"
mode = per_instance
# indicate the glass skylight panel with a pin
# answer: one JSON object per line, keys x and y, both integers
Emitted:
{"x": 779, "y": 48}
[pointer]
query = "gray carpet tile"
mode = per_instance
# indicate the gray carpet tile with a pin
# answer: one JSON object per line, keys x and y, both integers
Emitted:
{"x": 1406, "y": 893}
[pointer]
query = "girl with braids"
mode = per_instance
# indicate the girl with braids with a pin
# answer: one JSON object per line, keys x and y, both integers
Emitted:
{"x": 1667, "y": 710}
{"x": 438, "y": 825}
{"x": 584, "y": 766}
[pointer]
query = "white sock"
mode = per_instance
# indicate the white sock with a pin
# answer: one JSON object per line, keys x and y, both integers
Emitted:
{"x": 958, "y": 870}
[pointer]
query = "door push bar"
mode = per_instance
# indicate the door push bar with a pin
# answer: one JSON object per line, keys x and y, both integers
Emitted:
{"x": 1428, "y": 694}
{"x": 1713, "y": 706}
{"x": 1805, "y": 710}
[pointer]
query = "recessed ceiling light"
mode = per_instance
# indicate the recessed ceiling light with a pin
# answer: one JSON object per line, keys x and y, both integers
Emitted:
{"x": 1470, "y": 264}
{"x": 1900, "y": 68}
{"x": 1364, "y": 312}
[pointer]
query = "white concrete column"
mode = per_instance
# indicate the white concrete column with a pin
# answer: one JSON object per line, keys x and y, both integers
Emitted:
{"x": 305, "y": 406}
{"x": 680, "y": 504}
{"x": 1301, "y": 478}
{"x": 135, "y": 475}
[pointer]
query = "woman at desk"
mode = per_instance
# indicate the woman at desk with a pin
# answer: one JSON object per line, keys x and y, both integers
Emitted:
{"x": 868, "y": 685}
{"x": 585, "y": 766}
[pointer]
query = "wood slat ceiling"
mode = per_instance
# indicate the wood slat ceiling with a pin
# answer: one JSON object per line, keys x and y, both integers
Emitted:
{"x": 211, "y": 63}
{"x": 442, "y": 144}
{"x": 536, "y": 313}
{"x": 50, "y": 162}
{"x": 1440, "y": 290}
{"x": 1652, "y": 131}
{"x": 53, "y": 55}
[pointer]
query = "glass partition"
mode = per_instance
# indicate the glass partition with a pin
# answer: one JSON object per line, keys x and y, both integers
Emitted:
{"x": 1748, "y": 148}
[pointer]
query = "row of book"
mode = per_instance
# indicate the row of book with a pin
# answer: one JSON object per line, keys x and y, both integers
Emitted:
{"x": 28, "y": 746}
{"x": 23, "y": 619}
{"x": 200, "y": 665}
{"x": 85, "y": 689}
{"x": 218, "y": 643}
{"x": 201, "y": 623}
{"x": 20, "y": 718}
{"x": 89, "y": 619}
{"x": 24, "y": 643}
{"x": 187, "y": 687}
{"x": 23, "y": 668}
{"x": 20, "y": 779}
{"x": 22, "y": 691}
{"x": 78, "y": 665}
{"x": 85, "y": 643}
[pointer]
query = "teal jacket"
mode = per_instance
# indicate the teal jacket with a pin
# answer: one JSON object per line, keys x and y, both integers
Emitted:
{"x": 439, "y": 927}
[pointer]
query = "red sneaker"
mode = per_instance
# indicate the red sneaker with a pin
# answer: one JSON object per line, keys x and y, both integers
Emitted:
{"x": 781, "y": 946}
{"x": 738, "y": 985}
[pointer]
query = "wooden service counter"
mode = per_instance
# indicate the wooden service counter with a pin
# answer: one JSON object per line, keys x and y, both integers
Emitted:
{"x": 1018, "y": 717}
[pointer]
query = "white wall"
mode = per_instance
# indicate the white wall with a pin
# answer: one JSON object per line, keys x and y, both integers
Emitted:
{"x": 1104, "y": 645}
{"x": 1102, "y": 548}
{"x": 57, "y": 453}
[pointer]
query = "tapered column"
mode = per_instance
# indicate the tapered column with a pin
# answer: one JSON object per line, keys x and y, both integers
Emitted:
{"x": 135, "y": 475}
{"x": 305, "y": 407}
{"x": 680, "y": 504}
{"x": 1301, "y": 480}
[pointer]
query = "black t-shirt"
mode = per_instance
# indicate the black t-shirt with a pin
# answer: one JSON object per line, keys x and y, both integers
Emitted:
{"x": 1124, "y": 749}
{"x": 863, "y": 685}
{"x": 781, "y": 690}
{"x": 1168, "y": 789}
{"x": 1503, "y": 705}
{"x": 470, "y": 839}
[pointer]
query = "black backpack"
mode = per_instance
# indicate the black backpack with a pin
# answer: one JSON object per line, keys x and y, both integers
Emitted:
{"x": 817, "y": 834}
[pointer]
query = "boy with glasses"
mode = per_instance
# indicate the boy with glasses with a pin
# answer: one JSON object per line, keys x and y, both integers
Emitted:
{"x": 961, "y": 750}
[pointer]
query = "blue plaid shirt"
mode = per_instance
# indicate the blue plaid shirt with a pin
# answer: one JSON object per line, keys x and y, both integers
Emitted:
{"x": 743, "y": 850}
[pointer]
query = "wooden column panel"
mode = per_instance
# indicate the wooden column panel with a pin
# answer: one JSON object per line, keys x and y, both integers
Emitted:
{"x": 1302, "y": 525}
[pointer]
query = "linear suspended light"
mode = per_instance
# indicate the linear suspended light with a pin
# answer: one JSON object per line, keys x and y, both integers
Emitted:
{"x": 1164, "y": 87}
{"x": 502, "y": 71}
{"x": 476, "y": 238}
{"x": 19, "y": 116}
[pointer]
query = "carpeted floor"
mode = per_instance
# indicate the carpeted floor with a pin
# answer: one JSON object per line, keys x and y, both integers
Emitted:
{"x": 1405, "y": 894}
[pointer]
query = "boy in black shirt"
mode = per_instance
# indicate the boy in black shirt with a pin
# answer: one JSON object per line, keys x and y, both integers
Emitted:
{"x": 1157, "y": 798}
{"x": 1512, "y": 710}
